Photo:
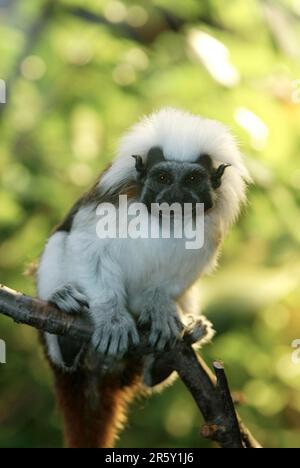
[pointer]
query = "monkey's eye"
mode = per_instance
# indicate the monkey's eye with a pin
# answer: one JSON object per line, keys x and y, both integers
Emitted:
{"x": 163, "y": 178}
{"x": 193, "y": 178}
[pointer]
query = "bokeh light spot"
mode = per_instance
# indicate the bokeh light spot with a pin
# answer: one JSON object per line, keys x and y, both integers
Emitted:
{"x": 115, "y": 11}
{"x": 137, "y": 16}
{"x": 124, "y": 74}
{"x": 33, "y": 68}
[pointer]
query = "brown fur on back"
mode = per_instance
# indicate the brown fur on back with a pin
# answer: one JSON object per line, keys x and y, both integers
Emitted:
{"x": 95, "y": 196}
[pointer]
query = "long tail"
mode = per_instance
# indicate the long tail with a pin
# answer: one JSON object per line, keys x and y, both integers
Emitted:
{"x": 93, "y": 407}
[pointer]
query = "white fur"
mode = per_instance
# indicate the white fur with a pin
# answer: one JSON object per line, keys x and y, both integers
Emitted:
{"x": 119, "y": 274}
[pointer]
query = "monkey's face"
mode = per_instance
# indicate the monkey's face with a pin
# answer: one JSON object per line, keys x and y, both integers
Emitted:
{"x": 178, "y": 182}
{"x": 174, "y": 182}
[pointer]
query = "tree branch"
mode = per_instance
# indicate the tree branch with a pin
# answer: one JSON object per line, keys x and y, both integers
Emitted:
{"x": 160, "y": 20}
{"x": 41, "y": 315}
{"x": 211, "y": 394}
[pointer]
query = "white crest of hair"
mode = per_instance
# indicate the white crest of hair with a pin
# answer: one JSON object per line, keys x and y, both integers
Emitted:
{"x": 184, "y": 137}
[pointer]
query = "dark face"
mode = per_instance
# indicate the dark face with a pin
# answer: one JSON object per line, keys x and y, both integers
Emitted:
{"x": 178, "y": 182}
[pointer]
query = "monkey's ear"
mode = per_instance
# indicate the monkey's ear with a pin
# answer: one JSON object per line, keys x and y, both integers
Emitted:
{"x": 139, "y": 165}
{"x": 155, "y": 156}
{"x": 206, "y": 161}
{"x": 217, "y": 175}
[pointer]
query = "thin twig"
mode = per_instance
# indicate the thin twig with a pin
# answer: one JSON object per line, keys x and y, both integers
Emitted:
{"x": 230, "y": 420}
{"x": 213, "y": 398}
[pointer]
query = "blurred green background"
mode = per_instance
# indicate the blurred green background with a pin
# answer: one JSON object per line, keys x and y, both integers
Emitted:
{"x": 78, "y": 73}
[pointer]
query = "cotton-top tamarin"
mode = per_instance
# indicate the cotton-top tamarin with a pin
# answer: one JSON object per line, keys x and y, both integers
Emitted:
{"x": 123, "y": 283}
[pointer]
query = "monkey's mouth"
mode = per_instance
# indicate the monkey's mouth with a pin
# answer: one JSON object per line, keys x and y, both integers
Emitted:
{"x": 176, "y": 210}
{"x": 184, "y": 202}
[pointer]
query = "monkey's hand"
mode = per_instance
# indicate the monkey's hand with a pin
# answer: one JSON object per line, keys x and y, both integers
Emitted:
{"x": 164, "y": 321}
{"x": 70, "y": 298}
{"x": 115, "y": 329}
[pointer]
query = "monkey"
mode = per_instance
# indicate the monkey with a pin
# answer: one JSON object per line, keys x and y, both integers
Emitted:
{"x": 126, "y": 284}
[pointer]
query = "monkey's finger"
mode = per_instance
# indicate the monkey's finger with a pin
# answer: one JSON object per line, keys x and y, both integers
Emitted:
{"x": 144, "y": 319}
{"x": 96, "y": 338}
{"x": 153, "y": 337}
{"x": 70, "y": 299}
{"x": 135, "y": 339}
{"x": 81, "y": 299}
{"x": 175, "y": 327}
{"x": 123, "y": 343}
{"x": 114, "y": 348}
{"x": 162, "y": 342}
{"x": 159, "y": 336}
{"x": 104, "y": 343}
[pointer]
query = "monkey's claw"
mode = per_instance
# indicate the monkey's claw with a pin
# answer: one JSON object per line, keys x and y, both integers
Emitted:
{"x": 165, "y": 327}
{"x": 113, "y": 336}
{"x": 70, "y": 299}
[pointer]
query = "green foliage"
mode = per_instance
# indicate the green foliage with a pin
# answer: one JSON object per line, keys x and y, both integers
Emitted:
{"x": 74, "y": 86}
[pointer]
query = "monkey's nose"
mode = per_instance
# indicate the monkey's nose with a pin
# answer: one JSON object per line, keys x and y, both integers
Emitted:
{"x": 172, "y": 195}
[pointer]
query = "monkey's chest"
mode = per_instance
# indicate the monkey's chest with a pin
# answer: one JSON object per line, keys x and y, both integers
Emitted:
{"x": 166, "y": 263}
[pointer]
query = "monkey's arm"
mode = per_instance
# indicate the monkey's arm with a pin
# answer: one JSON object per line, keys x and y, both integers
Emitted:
{"x": 78, "y": 273}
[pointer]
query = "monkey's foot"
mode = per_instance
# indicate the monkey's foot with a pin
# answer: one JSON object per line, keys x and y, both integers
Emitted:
{"x": 165, "y": 325}
{"x": 114, "y": 333}
{"x": 70, "y": 299}
{"x": 198, "y": 331}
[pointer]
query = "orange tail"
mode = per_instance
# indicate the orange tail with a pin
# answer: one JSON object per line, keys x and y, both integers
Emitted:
{"x": 93, "y": 408}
